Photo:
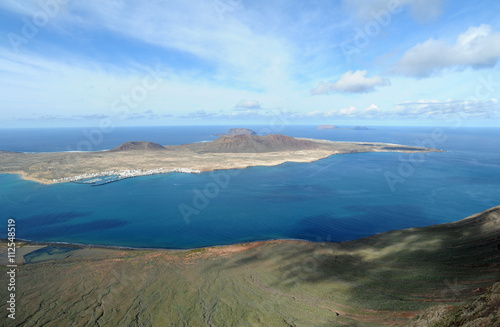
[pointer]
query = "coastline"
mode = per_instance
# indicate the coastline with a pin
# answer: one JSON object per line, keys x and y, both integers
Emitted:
{"x": 25, "y": 176}
{"x": 400, "y": 277}
{"x": 464, "y": 220}
{"x": 56, "y": 167}
{"x": 132, "y": 248}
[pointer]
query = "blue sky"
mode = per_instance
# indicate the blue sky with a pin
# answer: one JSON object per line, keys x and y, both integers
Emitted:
{"x": 379, "y": 62}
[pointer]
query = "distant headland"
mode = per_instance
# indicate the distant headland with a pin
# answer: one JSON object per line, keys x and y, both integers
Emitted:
{"x": 139, "y": 145}
{"x": 239, "y": 148}
{"x": 238, "y": 131}
{"x": 356, "y": 128}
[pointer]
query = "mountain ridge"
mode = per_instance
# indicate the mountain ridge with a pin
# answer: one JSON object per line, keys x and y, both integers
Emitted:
{"x": 139, "y": 145}
{"x": 254, "y": 144}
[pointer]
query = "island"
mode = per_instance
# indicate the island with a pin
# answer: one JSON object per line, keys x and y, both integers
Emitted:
{"x": 356, "y": 128}
{"x": 328, "y": 127}
{"x": 238, "y": 131}
{"x": 140, "y": 158}
{"x": 241, "y": 131}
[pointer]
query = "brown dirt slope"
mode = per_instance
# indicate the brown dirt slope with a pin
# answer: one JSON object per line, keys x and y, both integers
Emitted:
{"x": 483, "y": 312}
{"x": 138, "y": 145}
{"x": 241, "y": 131}
{"x": 254, "y": 144}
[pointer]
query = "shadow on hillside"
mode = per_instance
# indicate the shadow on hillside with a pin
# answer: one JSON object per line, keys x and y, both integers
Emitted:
{"x": 399, "y": 270}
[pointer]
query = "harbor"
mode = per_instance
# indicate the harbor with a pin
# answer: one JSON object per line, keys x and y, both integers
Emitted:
{"x": 95, "y": 179}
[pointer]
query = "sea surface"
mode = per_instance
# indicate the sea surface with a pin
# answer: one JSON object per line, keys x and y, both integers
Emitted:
{"x": 343, "y": 197}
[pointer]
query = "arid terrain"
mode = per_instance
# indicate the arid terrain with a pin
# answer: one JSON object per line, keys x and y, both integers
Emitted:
{"x": 442, "y": 275}
{"x": 227, "y": 152}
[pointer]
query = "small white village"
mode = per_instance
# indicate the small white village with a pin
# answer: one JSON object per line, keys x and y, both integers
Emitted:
{"x": 121, "y": 174}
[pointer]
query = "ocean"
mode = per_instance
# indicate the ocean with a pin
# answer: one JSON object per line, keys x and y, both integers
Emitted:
{"x": 343, "y": 197}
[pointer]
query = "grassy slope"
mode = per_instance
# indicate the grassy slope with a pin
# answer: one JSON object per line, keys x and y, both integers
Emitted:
{"x": 386, "y": 279}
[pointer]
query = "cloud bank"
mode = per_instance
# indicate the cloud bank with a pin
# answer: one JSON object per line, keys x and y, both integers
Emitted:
{"x": 478, "y": 47}
{"x": 248, "y": 104}
{"x": 351, "y": 82}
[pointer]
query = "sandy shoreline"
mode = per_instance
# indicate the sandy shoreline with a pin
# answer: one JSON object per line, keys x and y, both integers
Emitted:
{"x": 92, "y": 251}
{"x": 42, "y": 244}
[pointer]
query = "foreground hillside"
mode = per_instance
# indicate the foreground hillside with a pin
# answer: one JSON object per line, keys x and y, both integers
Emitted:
{"x": 439, "y": 275}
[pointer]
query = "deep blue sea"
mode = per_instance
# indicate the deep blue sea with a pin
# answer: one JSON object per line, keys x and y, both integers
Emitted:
{"x": 340, "y": 198}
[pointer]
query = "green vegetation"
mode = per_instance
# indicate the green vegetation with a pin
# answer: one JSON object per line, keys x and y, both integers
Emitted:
{"x": 197, "y": 250}
{"x": 420, "y": 277}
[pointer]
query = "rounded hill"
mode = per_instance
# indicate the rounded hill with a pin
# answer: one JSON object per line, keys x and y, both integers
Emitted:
{"x": 139, "y": 145}
{"x": 254, "y": 144}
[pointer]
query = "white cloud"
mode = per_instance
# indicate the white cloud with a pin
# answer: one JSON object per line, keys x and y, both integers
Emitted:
{"x": 349, "y": 112}
{"x": 428, "y": 110}
{"x": 351, "y": 82}
{"x": 248, "y": 104}
{"x": 371, "y": 111}
{"x": 33, "y": 86}
{"x": 230, "y": 43}
{"x": 223, "y": 37}
{"x": 477, "y": 47}
{"x": 315, "y": 113}
{"x": 245, "y": 60}
{"x": 270, "y": 115}
{"x": 447, "y": 110}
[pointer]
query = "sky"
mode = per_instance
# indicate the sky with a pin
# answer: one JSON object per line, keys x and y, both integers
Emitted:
{"x": 237, "y": 62}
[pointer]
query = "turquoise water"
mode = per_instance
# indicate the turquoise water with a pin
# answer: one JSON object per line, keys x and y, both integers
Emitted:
{"x": 343, "y": 197}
